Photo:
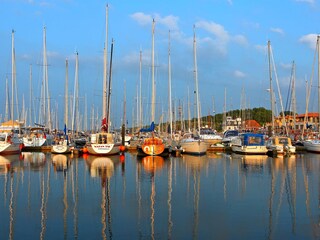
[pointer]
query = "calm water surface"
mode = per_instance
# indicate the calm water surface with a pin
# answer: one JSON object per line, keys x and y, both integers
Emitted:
{"x": 220, "y": 196}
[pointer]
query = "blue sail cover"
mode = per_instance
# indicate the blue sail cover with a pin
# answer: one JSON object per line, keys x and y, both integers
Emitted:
{"x": 253, "y": 139}
{"x": 150, "y": 129}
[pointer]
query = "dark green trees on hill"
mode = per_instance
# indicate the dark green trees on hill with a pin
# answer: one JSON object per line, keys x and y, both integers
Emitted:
{"x": 261, "y": 115}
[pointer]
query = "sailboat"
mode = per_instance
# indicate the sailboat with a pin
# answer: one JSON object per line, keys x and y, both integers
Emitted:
{"x": 191, "y": 142}
{"x": 313, "y": 145}
{"x": 152, "y": 145}
{"x": 9, "y": 142}
{"x": 104, "y": 142}
{"x": 62, "y": 145}
{"x": 277, "y": 144}
{"x": 39, "y": 135}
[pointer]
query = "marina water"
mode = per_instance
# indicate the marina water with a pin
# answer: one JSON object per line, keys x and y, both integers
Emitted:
{"x": 216, "y": 196}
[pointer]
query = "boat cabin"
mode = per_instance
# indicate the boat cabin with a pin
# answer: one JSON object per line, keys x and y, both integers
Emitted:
{"x": 252, "y": 139}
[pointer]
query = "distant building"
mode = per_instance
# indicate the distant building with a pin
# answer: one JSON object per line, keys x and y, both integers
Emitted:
{"x": 312, "y": 121}
{"x": 232, "y": 124}
{"x": 251, "y": 125}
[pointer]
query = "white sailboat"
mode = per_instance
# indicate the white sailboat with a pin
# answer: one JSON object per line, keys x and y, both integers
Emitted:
{"x": 192, "y": 143}
{"x": 9, "y": 142}
{"x": 277, "y": 144}
{"x": 40, "y": 135}
{"x": 152, "y": 145}
{"x": 104, "y": 142}
{"x": 313, "y": 145}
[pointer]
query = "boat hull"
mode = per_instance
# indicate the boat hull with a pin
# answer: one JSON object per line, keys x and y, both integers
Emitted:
{"x": 312, "y": 145}
{"x": 10, "y": 148}
{"x": 60, "y": 149}
{"x": 153, "y": 146}
{"x": 37, "y": 141}
{"x": 196, "y": 147}
{"x": 103, "y": 149}
{"x": 249, "y": 149}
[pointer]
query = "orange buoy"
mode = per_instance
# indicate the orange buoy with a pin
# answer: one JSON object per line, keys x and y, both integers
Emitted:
{"x": 85, "y": 156}
{"x": 84, "y": 150}
{"x": 122, "y": 148}
{"x": 122, "y": 158}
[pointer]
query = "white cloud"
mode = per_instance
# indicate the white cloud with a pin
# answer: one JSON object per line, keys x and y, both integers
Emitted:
{"x": 170, "y": 21}
{"x": 309, "y": 39}
{"x": 239, "y": 74}
{"x": 216, "y": 29}
{"x": 240, "y": 39}
{"x": 221, "y": 37}
{"x": 141, "y": 18}
{"x": 277, "y": 30}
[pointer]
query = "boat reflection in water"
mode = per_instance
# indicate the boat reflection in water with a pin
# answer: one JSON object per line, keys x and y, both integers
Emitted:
{"x": 195, "y": 165}
{"x": 152, "y": 164}
{"x": 6, "y": 161}
{"x": 188, "y": 197}
{"x": 36, "y": 160}
{"x": 104, "y": 168}
{"x": 251, "y": 163}
{"x": 60, "y": 162}
{"x": 101, "y": 166}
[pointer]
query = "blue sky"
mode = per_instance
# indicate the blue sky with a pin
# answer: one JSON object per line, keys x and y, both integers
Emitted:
{"x": 231, "y": 50}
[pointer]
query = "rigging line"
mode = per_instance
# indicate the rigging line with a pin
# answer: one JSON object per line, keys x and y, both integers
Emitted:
{"x": 289, "y": 95}
{"x": 279, "y": 93}
{"x": 309, "y": 88}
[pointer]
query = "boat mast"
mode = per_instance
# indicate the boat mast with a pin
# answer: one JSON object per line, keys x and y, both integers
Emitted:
{"x": 189, "y": 112}
{"x": 196, "y": 76}
{"x": 224, "y": 121}
{"x": 152, "y": 73}
{"x": 45, "y": 79}
{"x": 271, "y": 89}
{"x": 75, "y": 95}
{"x": 13, "y": 76}
{"x": 140, "y": 122}
{"x": 109, "y": 89}
{"x": 169, "y": 79}
{"x": 85, "y": 124}
{"x": 30, "y": 97}
{"x": 293, "y": 95}
{"x": 66, "y": 97}
{"x": 124, "y": 104}
{"x": 6, "y": 116}
{"x": 105, "y": 71}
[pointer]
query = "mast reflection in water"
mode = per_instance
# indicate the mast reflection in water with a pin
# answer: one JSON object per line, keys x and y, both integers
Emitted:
{"x": 221, "y": 196}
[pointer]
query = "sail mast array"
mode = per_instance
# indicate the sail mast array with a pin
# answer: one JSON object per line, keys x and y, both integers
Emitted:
{"x": 44, "y": 113}
{"x": 153, "y": 99}
{"x": 196, "y": 76}
{"x": 66, "y": 97}
{"x": 75, "y": 111}
{"x": 109, "y": 90}
{"x": 30, "y": 98}
{"x": 169, "y": 79}
{"x": 105, "y": 69}
{"x": 271, "y": 88}
{"x": 13, "y": 76}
